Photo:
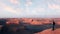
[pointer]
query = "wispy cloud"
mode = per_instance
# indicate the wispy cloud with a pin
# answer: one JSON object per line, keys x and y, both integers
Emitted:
{"x": 36, "y": 12}
{"x": 39, "y": 9}
{"x": 53, "y": 6}
{"x": 28, "y": 3}
{"x": 58, "y": 1}
{"x": 9, "y": 8}
{"x": 14, "y": 1}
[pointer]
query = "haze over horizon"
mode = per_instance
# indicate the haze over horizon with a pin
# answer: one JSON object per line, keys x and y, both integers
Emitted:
{"x": 29, "y": 8}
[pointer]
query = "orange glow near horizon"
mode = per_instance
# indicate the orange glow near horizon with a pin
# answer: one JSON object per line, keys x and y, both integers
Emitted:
{"x": 13, "y": 21}
{"x": 30, "y": 21}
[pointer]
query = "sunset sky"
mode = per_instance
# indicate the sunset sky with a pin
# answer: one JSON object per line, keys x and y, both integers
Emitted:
{"x": 29, "y": 8}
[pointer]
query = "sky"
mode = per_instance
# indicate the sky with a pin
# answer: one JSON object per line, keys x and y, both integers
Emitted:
{"x": 29, "y": 8}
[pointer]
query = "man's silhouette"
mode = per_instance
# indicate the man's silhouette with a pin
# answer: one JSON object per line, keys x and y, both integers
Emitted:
{"x": 53, "y": 26}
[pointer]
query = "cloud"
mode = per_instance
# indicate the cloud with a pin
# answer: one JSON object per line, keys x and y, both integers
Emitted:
{"x": 36, "y": 12}
{"x": 40, "y": 9}
{"x": 58, "y": 1}
{"x": 28, "y": 3}
{"x": 53, "y": 6}
{"x": 10, "y": 9}
{"x": 19, "y": 9}
{"x": 14, "y": 1}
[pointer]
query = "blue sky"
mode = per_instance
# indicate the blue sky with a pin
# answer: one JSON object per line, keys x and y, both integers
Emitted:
{"x": 29, "y": 8}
